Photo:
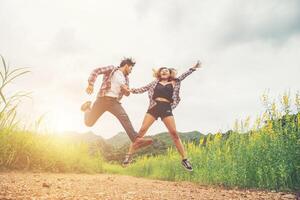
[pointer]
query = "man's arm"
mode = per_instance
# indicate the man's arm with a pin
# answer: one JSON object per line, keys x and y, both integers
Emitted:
{"x": 93, "y": 76}
{"x": 98, "y": 71}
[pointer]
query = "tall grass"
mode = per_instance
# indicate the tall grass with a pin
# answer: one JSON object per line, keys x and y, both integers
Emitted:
{"x": 8, "y": 105}
{"x": 21, "y": 150}
{"x": 27, "y": 150}
{"x": 266, "y": 155}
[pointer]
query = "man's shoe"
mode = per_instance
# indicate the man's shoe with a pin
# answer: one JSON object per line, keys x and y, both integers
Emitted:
{"x": 85, "y": 106}
{"x": 187, "y": 165}
{"x": 127, "y": 160}
{"x": 142, "y": 142}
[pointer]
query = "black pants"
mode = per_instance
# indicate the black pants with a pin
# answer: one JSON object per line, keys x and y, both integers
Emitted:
{"x": 112, "y": 105}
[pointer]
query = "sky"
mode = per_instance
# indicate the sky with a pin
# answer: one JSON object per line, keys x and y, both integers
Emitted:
{"x": 246, "y": 48}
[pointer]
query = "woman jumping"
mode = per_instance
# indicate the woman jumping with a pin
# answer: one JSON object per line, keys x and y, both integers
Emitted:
{"x": 163, "y": 94}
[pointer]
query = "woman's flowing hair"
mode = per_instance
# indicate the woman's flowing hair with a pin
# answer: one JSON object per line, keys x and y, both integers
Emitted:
{"x": 156, "y": 72}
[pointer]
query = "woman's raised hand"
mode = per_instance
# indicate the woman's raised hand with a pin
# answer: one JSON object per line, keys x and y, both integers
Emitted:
{"x": 197, "y": 65}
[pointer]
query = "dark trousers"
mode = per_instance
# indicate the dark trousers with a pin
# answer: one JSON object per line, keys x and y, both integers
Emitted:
{"x": 112, "y": 105}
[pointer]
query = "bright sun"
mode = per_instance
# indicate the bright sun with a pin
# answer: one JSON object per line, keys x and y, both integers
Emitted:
{"x": 62, "y": 121}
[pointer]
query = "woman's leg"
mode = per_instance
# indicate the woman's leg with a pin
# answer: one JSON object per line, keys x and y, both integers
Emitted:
{"x": 171, "y": 126}
{"x": 147, "y": 122}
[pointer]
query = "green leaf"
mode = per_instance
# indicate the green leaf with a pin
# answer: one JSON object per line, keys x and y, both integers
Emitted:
{"x": 2, "y": 97}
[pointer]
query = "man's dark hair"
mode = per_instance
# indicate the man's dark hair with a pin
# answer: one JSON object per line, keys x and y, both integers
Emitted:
{"x": 128, "y": 61}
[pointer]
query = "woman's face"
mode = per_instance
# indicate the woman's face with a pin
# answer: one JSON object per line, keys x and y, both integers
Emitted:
{"x": 164, "y": 73}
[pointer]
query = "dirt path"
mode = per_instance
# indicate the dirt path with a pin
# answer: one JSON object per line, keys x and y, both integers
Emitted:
{"x": 16, "y": 185}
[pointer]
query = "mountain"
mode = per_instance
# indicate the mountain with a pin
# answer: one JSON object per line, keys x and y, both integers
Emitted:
{"x": 193, "y": 136}
{"x": 118, "y": 140}
{"x": 115, "y": 148}
{"x": 162, "y": 142}
{"x": 96, "y": 142}
{"x": 82, "y": 137}
{"x": 122, "y": 139}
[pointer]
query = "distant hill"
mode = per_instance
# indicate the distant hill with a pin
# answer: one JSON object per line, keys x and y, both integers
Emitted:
{"x": 162, "y": 142}
{"x": 86, "y": 137}
{"x": 115, "y": 148}
{"x": 96, "y": 142}
{"x": 122, "y": 139}
{"x": 193, "y": 136}
{"x": 118, "y": 140}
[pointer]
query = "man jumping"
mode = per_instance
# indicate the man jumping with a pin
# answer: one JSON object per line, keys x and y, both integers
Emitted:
{"x": 115, "y": 84}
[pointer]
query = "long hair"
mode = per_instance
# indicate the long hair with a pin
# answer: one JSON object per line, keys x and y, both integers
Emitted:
{"x": 156, "y": 73}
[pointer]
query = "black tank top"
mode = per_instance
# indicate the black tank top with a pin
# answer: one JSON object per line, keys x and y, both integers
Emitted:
{"x": 163, "y": 91}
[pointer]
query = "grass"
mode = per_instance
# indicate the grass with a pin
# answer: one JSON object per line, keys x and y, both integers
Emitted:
{"x": 267, "y": 156}
{"x": 32, "y": 151}
{"x": 27, "y": 150}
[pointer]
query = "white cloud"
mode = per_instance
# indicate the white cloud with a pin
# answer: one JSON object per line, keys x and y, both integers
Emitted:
{"x": 246, "y": 47}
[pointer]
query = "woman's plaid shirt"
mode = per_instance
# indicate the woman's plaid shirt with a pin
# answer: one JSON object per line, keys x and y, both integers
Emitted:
{"x": 106, "y": 81}
{"x": 151, "y": 86}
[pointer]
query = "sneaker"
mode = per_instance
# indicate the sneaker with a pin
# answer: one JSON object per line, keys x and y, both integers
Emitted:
{"x": 86, "y": 106}
{"x": 127, "y": 160}
{"x": 187, "y": 165}
{"x": 142, "y": 142}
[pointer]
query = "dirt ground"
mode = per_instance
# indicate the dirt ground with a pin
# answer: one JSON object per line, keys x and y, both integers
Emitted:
{"x": 17, "y": 185}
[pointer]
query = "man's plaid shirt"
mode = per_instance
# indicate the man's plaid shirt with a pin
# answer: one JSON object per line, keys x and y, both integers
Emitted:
{"x": 151, "y": 86}
{"x": 106, "y": 81}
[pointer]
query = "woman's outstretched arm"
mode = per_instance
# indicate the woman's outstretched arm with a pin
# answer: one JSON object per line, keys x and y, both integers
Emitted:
{"x": 191, "y": 70}
{"x": 143, "y": 89}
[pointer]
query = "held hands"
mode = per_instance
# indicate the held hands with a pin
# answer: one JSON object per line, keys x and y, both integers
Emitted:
{"x": 125, "y": 89}
{"x": 89, "y": 89}
{"x": 197, "y": 65}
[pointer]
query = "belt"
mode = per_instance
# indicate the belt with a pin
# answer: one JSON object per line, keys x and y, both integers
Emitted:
{"x": 108, "y": 97}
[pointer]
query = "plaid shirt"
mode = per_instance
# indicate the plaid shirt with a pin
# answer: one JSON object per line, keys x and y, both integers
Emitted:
{"x": 151, "y": 86}
{"x": 106, "y": 81}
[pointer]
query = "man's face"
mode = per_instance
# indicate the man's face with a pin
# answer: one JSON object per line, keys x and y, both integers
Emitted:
{"x": 128, "y": 69}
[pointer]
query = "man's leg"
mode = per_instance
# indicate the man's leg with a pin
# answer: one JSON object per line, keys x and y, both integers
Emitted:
{"x": 91, "y": 115}
{"x": 147, "y": 122}
{"x": 118, "y": 111}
